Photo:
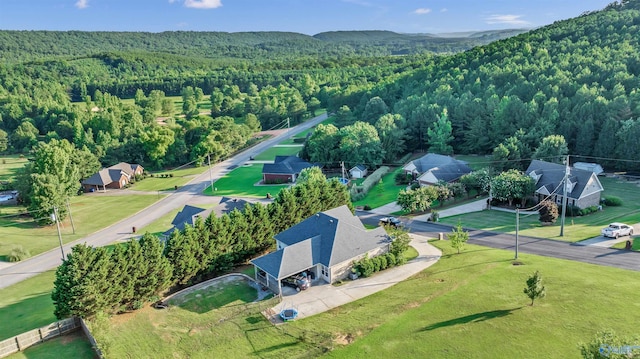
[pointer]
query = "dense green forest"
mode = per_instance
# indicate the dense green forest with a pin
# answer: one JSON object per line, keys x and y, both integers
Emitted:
{"x": 573, "y": 84}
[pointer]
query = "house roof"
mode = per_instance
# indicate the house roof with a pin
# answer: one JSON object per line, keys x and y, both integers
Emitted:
{"x": 189, "y": 214}
{"x": 589, "y": 166}
{"x": 549, "y": 177}
{"x": 227, "y": 205}
{"x": 286, "y": 165}
{"x": 104, "y": 177}
{"x": 360, "y": 168}
{"x": 326, "y": 238}
{"x": 129, "y": 168}
{"x": 440, "y": 167}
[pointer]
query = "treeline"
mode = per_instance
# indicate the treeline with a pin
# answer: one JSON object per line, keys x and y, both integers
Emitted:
{"x": 578, "y": 78}
{"x": 92, "y": 280}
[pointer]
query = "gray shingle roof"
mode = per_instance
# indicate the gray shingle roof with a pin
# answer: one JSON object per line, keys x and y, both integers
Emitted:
{"x": 444, "y": 168}
{"x": 327, "y": 238}
{"x": 286, "y": 165}
{"x": 552, "y": 174}
{"x": 103, "y": 177}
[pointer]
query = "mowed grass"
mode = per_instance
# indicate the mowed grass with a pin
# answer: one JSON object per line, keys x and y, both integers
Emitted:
{"x": 179, "y": 178}
{"x": 576, "y": 228}
{"x": 90, "y": 214}
{"x": 386, "y": 191}
{"x": 9, "y": 166}
{"x": 469, "y": 305}
{"x": 216, "y": 296}
{"x": 244, "y": 181}
{"x": 472, "y": 306}
{"x": 74, "y": 345}
{"x": 26, "y": 305}
{"x": 271, "y": 153}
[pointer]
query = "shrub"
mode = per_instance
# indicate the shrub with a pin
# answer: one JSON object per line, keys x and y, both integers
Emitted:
{"x": 391, "y": 259}
{"x": 612, "y": 201}
{"x": 435, "y": 215}
{"x": 403, "y": 178}
{"x": 18, "y": 253}
{"x": 367, "y": 207}
{"x": 359, "y": 192}
{"x": 588, "y": 210}
{"x": 548, "y": 212}
{"x": 376, "y": 264}
{"x": 383, "y": 262}
{"x": 572, "y": 211}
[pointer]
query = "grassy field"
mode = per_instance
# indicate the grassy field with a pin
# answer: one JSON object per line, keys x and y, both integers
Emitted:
{"x": 475, "y": 162}
{"x": 26, "y": 305}
{"x": 88, "y": 216}
{"x": 465, "y": 306}
{"x": 9, "y": 165}
{"x": 384, "y": 192}
{"x": 241, "y": 182}
{"x": 158, "y": 183}
{"x": 576, "y": 228}
{"x": 74, "y": 345}
{"x": 216, "y": 297}
{"x": 635, "y": 244}
{"x": 271, "y": 153}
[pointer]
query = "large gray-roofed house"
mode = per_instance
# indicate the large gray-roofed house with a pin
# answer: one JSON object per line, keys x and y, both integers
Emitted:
{"x": 433, "y": 168}
{"x": 284, "y": 169}
{"x": 116, "y": 176}
{"x": 325, "y": 244}
{"x": 583, "y": 189}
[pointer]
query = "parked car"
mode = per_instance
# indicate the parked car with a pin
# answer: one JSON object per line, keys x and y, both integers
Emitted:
{"x": 615, "y": 230}
{"x": 390, "y": 221}
{"x": 297, "y": 282}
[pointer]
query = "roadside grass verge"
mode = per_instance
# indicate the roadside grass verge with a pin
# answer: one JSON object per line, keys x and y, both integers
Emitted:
{"x": 90, "y": 214}
{"x": 384, "y": 192}
{"x": 576, "y": 228}
{"x": 469, "y": 305}
{"x": 74, "y": 345}
{"x": 241, "y": 182}
{"x": 26, "y": 305}
{"x": 160, "y": 181}
{"x": 9, "y": 166}
{"x": 635, "y": 244}
{"x": 271, "y": 153}
{"x": 162, "y": 224}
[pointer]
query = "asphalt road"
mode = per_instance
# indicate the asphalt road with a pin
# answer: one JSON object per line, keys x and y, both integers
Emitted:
{"x": 122, "y": 230}
{"x": 545, "y": 247}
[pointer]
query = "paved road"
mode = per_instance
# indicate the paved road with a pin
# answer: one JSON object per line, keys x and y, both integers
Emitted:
{"x": 122, "y": 230}
{"x": 545, "y": 247}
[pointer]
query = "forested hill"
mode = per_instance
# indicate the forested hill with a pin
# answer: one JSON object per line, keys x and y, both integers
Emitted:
{"x": 579, "y": 78}
{"x": 20, "y": 46}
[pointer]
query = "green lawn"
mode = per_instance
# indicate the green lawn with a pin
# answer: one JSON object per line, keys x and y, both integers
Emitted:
{"x": 162, "y": 224}
{"x": 9, "y": 165}
{"x": 159, "y": 183}
{"x": 74, "y": 345}
{"x": 465, "y": 306}
{"x": 216, "y": 297}
{"x": 26, "y": 305}
{"x": 634, "y": 247}
{"x": 475, "y": 162}
{"x": 271, "y": 153}
{"x": 384, "y": 192}
{"x": 88, "y": 216}
{"x": 576, "y": 228}
{"x": 241, "y": 182}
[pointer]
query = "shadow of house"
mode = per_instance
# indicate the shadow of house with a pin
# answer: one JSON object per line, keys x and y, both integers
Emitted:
{"x": 190, "y": 214}
{"x": 324, "y": 245}
{"x": 433, "y": 168}
{"x": 583, "y": 186}
{"x": 114, "y": 177}
{"x": 284, "y": 169}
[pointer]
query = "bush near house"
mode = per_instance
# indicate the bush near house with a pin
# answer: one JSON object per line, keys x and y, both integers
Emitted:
{"x": 359, "y": 192}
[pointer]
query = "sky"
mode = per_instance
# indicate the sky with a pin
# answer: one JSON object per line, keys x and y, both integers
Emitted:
{"x": 303, "y": 16}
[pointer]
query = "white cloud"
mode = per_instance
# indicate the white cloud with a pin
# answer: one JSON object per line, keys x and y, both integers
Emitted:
{"x": 203, "y": 4}
{"x": 422, "y": 11}
{"x": 359, "y": 2}
{"x": 81, "y": 4}
{"x": 444, "y": 9}
{"x": 506, "y": 19}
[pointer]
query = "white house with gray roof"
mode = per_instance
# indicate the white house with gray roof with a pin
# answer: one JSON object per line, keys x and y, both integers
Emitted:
{"x": 583, "y": 187}
{"x": 433, "y": 168}
{"x": 325, "y": 245}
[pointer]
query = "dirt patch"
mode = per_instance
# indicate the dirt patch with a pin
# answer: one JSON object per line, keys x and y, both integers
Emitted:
{"x": 344, "y": 339}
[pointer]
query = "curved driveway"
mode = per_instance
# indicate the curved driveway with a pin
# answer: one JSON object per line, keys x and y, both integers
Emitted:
{"x": 122, "y": 230}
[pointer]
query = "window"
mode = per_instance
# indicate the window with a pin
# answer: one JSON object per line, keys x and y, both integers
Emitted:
{"x": 325, "y": 271}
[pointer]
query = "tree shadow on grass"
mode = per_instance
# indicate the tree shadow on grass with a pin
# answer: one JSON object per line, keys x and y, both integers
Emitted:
{"x": 473, "y": 318}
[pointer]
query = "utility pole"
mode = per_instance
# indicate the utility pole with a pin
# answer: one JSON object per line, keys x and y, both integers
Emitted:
{"x": 565, "y": 182}
{"x": 288, "y": 124}
{"x": 71, "y": 217}
{"x": 55, "y": 217}
{"x": 343, "y": 171}
{"x": 210, "y": 175}
{"x": 517, "y": 228}
{"x": 564, "y": 195}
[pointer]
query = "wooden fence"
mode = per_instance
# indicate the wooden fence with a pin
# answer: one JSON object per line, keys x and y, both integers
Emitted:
{"x": 25, "y": 340}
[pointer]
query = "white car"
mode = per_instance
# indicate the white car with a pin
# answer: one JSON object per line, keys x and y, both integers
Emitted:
{"x": 616, "y": 230}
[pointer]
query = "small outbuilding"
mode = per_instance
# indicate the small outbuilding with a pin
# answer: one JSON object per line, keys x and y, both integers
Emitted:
{"x": 359, "y": 171}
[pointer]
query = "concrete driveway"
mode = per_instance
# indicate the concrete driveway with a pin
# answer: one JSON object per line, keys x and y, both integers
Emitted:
{"x": 606, "y": 242}
{"x": 320, "y": 298}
